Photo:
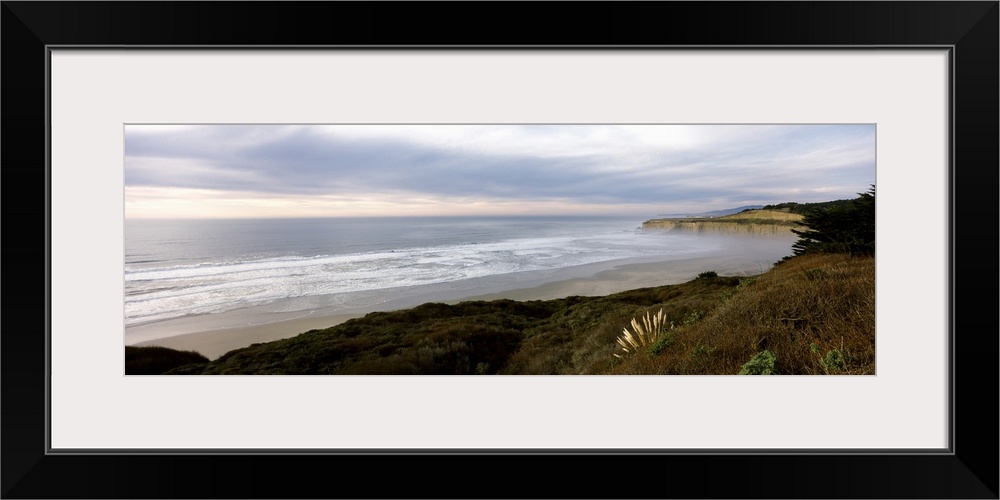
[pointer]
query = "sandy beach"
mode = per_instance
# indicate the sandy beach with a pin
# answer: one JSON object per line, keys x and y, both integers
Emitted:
{"x": 628, "y": 277}
{"x": 214, "y": 335}
{"x": 216, "y": 342}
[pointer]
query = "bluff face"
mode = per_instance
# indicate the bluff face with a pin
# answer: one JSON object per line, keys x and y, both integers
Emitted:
{"x": 749, "y": 223}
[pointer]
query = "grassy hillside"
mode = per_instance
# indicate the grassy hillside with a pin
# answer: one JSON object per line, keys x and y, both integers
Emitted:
{"x": 763, "y": 216}
{"x": 811, "y": 314}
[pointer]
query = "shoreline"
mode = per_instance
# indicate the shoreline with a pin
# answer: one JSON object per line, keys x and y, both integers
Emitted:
{"x": 626, "y": 277}
{"x": 216, "y": 334}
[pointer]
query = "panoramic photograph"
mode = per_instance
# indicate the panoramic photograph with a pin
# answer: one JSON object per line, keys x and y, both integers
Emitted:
{"x": 477, "y": 249}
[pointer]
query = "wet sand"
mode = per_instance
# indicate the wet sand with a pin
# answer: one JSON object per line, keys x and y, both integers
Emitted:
{"x": 629, "y": 277}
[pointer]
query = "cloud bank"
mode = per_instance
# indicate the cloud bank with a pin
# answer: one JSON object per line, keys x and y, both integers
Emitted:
{"x": 394, "y": 170}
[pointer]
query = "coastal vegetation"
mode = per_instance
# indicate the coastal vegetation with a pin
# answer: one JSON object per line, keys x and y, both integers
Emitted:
{"x": 804, "y": 208}
{"x": 843, "y": 228}
{"x": 813, "y": 313}
{"x": 800, "y": 312}
{"x": 643, "y": 335}
{"x": 154, "y": 360}
{"x": 786, "y": 321}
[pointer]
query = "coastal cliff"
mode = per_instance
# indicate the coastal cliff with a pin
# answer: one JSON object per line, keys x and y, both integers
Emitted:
{"x": 750, "y": 223}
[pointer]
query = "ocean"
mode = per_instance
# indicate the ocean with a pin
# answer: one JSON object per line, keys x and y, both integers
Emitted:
{"x": 180, "y": 268}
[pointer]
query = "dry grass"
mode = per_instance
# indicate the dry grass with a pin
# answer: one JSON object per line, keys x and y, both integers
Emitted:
{"x": 584, "y": 338}
{"x": 643, "y": 335}
{"x": 802, "y": 311}
{"x": 763, "y": 214}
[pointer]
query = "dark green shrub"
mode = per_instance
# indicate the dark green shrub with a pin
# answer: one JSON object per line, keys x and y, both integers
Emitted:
{"x": 693, "y": 316}
{"x": 846, "y": 228}
{"x": 661, "y": 344}
{"x": 762, "y": 363}
{"x": 154, "y": 360}
{"x": 700, "y": 350}
{"x": 708, "y": 274}
{"x": 833, "y": 361}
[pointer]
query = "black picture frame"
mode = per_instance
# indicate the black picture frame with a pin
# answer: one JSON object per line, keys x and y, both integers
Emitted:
{"x": 969, "y": 470}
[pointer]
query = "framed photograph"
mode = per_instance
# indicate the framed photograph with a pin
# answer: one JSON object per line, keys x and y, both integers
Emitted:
{"x": 498, "y": 249}
{"x": 130, "y": 116}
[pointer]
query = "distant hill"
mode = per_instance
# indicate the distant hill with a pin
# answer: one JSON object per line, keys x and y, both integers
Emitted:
{"x": 716, "y": 213}
{"x": 788, "y": 207}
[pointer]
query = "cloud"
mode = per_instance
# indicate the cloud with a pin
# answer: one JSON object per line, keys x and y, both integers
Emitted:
{"x": 659, "y": 166}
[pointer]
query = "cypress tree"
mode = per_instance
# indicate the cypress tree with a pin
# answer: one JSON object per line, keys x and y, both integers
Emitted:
{"x": 840, "y": 229}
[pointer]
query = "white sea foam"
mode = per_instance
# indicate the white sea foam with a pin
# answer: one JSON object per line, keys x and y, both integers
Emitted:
{"x": 157, "y": 293}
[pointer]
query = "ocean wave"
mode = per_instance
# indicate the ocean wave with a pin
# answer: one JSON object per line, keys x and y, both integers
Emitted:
{"x": 155, "y": 293}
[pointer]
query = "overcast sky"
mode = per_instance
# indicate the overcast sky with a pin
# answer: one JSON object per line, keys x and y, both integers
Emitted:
{"x": 182, "y": 171}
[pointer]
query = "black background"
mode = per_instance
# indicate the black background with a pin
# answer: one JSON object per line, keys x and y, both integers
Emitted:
{"x": 971, "y": 472}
